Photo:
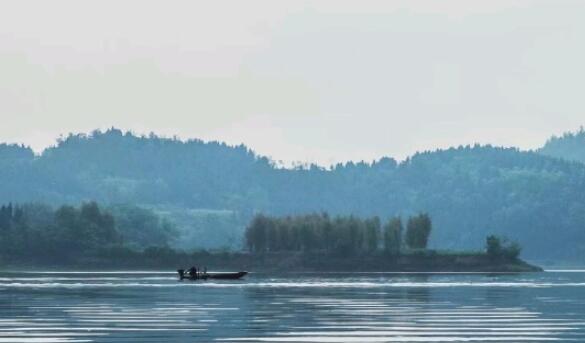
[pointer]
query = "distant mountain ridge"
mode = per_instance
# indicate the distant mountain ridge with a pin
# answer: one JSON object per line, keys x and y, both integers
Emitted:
{"x": 213, "y": 189}
{"x": 570, "y": 146}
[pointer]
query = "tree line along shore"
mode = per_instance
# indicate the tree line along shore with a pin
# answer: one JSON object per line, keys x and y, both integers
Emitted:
{"x": 91, "y": 236}
{"x": 320, "y": 242}
{"x": 534, "y": 196}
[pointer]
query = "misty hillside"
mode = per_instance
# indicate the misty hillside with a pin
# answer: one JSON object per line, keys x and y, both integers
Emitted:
{"x": 570, "y": 146}
{"x": 211, "y": 190}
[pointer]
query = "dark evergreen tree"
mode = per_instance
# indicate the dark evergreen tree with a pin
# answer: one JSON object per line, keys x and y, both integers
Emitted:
{"x": 393, "y": 236}
{"x": 36, "y": 232}
{"x": 418, "y": 230}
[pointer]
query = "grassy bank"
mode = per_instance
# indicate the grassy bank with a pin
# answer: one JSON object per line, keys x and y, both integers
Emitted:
{"x": 160, "y": 258}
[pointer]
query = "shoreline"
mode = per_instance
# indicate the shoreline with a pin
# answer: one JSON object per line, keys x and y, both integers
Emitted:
{"x": 419, "y": 262}
{"x": 433, "y": 263}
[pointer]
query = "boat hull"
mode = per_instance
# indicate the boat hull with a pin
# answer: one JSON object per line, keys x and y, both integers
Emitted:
{"x": 217, "y": 276}
{"x": 226, "y": 276}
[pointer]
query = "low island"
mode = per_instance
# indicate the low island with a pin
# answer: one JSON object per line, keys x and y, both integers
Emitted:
{"x": 317, "y": 242}
{"x": 320, "y": 243}
{"x": 91, "y": 238}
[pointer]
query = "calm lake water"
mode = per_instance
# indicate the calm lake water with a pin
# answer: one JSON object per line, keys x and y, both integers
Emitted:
{"x": 369, "y": 307}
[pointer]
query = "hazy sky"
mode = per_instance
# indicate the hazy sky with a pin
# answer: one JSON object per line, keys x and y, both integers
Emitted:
{"x": 321, "y": 81}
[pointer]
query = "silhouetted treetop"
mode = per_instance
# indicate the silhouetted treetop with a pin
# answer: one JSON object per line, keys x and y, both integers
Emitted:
{"x": 570, "y": 146}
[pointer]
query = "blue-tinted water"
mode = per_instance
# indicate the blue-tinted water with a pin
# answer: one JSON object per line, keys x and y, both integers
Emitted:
{"x": 369, "y": 307}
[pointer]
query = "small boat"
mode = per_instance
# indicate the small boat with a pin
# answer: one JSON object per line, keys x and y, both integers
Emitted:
{"x": 205, "y": 275}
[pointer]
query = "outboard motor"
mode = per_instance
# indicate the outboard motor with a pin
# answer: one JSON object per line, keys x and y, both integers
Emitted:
{"x": 181, "y": 273}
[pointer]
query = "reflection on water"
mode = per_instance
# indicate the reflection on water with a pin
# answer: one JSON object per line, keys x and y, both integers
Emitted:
{"x": 368, "y": 307}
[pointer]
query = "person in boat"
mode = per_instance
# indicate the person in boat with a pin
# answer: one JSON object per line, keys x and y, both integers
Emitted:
{"x": 193, "y": 272}
{"x": 204, "y": 270}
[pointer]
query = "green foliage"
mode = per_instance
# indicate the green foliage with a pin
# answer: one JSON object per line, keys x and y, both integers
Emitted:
{"x": 372, "y": 234}
{"x": 493, "y": 246}
{"x": 205, "y": 228}
{"x": 37, "y": 232}
{"x": 393, "y": 236}
{"x": 418, "y": 230}
{"x": 467, "y": 190}
{"x": 77, "y": 230}
{"x": 140, "y": 227}
{"x": 256, "y": 234}
{"x": 345, "y": 235}
{"x": 501, "y": 248}
{"x": 570, "y": 146}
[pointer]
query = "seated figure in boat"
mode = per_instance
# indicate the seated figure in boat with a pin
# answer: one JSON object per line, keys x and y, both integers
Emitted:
{"x": 193, "y": 272}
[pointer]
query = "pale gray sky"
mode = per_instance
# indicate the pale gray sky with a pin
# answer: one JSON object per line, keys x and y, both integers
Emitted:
{"x": 322, "y": 81}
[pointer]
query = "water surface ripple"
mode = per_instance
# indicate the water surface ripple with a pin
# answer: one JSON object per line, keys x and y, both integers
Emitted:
{"x": 303, "y": 307}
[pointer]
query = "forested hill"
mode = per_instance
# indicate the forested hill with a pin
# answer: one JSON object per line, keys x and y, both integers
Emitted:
{"x": 214, "y": 189}
{"x": 570, "y": 146}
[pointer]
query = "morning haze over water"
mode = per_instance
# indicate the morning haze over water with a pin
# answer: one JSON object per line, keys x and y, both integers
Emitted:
{"x": 289, "y": 171}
